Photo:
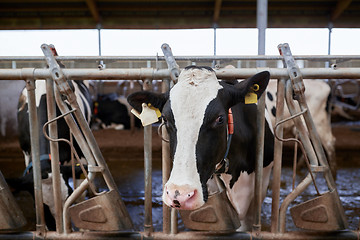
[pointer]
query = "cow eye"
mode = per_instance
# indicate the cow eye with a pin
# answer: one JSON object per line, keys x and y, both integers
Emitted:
{"x": 220, "y": 119}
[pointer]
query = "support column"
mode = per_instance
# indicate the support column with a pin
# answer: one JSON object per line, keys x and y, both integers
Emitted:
{"x": 261, "y": 25}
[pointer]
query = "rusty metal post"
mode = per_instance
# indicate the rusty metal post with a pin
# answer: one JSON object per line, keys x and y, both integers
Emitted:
{"x": 148, "y": 225}
{"x": 54, "y": 150}
{"x": 277, "y": 157}
{"x": 35, "y": 155}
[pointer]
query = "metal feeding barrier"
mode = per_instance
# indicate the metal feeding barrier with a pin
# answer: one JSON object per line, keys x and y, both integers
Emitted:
{"x": 105, "y": 213}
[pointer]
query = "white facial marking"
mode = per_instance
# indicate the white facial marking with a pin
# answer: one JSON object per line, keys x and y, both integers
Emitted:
{"x": 189, "y": 99}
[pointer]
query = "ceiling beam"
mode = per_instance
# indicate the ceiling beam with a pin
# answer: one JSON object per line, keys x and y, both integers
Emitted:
{"x": 339, "y": 9}
{"x": 217, "y": 9}
{"x": 94, "y": 10}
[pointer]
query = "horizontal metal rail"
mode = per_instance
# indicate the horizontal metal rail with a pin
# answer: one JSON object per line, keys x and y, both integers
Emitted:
{"x": 183, "y": 58}
{"x": 191, "y": 235}
{"x": 152, "y": 73}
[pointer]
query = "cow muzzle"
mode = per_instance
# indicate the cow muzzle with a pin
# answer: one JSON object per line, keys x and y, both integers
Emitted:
{"x": 182, "y": 197}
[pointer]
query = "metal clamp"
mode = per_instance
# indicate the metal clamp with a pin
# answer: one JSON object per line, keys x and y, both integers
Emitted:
{"x": 292, "y": 67}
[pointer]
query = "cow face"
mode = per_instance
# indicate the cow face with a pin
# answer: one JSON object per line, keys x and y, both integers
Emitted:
{"x": 195, "y": 114}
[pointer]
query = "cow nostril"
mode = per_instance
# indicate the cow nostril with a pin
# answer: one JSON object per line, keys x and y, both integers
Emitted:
{"x": 177, "y": 204}
{"x": 167, "y": 192}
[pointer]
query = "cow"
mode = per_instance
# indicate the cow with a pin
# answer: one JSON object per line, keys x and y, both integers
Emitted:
{"x": 195, "y": 113}
{"x": 110, "y": 111}
{"x": 26, "y": 182}
{"x": 317, "y": 94}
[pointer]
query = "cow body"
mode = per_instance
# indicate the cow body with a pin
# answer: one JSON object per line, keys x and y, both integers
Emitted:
{"x": 112, "y": 111}
{"x": 195, "y": 112}
{"x": 26, "y": 182}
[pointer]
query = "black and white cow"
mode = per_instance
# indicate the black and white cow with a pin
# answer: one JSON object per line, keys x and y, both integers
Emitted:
{"x": 195, "y": 111}
{"x": 111, "y": 111}
{"x": 26, "y": 181}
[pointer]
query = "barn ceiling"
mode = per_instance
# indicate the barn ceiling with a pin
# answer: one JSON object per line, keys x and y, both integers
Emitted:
{"x": 181, "y": 14}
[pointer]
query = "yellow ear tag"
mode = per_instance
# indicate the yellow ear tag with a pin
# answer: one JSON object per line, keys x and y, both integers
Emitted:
{"x": 158, "y": 113}
{"x": 251, "y": 97}
{"x": 148, "y": 116}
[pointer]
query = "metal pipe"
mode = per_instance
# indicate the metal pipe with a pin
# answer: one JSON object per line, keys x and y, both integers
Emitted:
{"x": 170, "y": 60}
{"x": 260, "y": 120}
{"x": 309, "y": 151}
{"x": 72, "y": 198}
{"x": 261, "y": 22}
{"x": 277, "y": 157}
{"x": 165, "y": 148}
{"x": 54, "y": 150}
{"x": 183, "y": 58}
{"x": 315, "y": 139}
{"x": 148, "y": 224}
{"x": 150, "y": 73}
{"x": 35, "y": 155}
{"x": 199, "y": 235}
{"x": 174, "y": 221}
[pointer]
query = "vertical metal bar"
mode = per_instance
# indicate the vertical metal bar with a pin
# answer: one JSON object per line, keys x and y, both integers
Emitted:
{"x": 165, "y": 166}
{"x": 54, "y": 150}
{"x": 148, "y": 225}
{"x": 35, "y": 155}
{"x": 261, "y": 22}
{"x": 260, "y": 121}
{"x": 214, "y": 62}
{"x": 174, "y": 221}
{"x": 277, "y": 157}
{"x": 330, "y": 27}
{"x": 174, "y": 73}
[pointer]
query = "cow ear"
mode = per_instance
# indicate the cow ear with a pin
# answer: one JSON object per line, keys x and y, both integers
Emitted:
{"x": 253, "y": 85}
{"x": 157, "y": 100}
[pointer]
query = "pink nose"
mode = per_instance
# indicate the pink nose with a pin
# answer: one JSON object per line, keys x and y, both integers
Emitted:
{"x": 181, "y": 197}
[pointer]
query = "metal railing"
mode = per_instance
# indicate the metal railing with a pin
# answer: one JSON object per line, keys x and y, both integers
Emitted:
{"x": 32, "y": 74}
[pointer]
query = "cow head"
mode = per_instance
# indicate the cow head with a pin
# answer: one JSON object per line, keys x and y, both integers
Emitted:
{"x": 195, "y": 113}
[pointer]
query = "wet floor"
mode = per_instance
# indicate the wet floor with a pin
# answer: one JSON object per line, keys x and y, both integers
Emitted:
{"x": 129, "y": 177}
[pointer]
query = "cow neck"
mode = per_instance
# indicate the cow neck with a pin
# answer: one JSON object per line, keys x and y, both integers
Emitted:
{"x": 223, "y": 165}
{"x": 43, "y": 157}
